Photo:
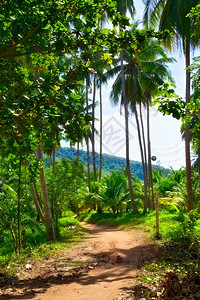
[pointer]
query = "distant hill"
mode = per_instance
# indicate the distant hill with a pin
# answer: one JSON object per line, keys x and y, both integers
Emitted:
{"x": 109, "y": 162}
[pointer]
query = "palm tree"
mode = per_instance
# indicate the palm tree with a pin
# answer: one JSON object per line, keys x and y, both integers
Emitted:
{"x": 155, "y": 71}
{"x": 144, "y": 71}
{"x": 115, "y": 190}
{"x": 172, "y": 15}
{"x": 122, "y": 7}
{"x": 126, "y": 5}
{"x": 87, "y": 136}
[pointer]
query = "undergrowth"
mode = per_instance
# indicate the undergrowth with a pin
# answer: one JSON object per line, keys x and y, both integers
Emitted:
{"x": 35, "y": 245}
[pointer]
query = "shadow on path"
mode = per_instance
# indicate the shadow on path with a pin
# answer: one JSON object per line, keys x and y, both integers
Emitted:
{"x": 108, "y": 266}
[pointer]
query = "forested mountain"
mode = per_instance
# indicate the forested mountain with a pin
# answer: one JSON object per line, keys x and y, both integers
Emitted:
{"x": 110, "y": 162}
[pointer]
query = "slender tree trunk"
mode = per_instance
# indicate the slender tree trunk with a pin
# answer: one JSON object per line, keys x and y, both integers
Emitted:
{"x": 53, "y": 158}
{"x": 93, "y": 130}
{"x": 19, "y": 206}
{"x": 143, "y": 139}
{"x": 37, "y": 195}
{"x": 87, "y": 137}
{"x": 101, "y": 132}
{"x": 47, "y": 210}
{"x": 187, "y": 133}
{"x": 78, "y": 149}
{"x": 36, "y": 199}
{"x": 53, "y": 184}
{"x": 151, "y": 194}
{"x": 128, "y": 170}
{"x": 142, "y": 157}
{"x": 145, "y": 151}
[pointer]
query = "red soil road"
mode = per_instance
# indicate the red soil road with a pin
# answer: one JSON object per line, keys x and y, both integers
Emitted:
{"x": 111, "y": 267}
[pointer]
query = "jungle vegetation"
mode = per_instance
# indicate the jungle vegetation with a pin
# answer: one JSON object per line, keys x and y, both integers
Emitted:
{"x": 55, "y": 57}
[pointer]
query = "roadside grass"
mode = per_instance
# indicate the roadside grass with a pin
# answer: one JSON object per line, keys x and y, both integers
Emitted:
{"x": 68, "y": 222}
{"x": 170, "y": 220}
{"x": 68, "y": 213}
{"x": 36, "y": 247}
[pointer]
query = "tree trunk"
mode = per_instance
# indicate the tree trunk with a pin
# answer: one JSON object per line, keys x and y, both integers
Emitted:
{"x": 53, "y": 158}
{"x": 187, "y": 132}
{"x": 19, "y": 206}
{"x": 134, "y": 207}
{"x": 93, "y": 129}
{"x": 151, "y": 193}
{"x": 87, "y": 137}
{"x": 78, "y": 149}
{"x": 53, "y": 154}
{"x": 37, "y": 202}
{"x": 101, "y": 132}
{"x": 47, "y": 210}
{"x": 142, "y": 157}
{"x": 37, "y": 195}
{"x": 145, "y": 151}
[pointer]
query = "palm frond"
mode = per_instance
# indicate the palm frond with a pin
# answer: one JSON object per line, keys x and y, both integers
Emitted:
{"x": 152, "y": 12}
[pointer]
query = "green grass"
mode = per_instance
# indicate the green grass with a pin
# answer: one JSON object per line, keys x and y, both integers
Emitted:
{"x": 68, "y": 213}
{"x": 67, "y": 239}
{"x": 36, "y": 246}
{"x": 68, "y": 222}
{"x": 169, "y": 221}
{"x": 11, "y": 263}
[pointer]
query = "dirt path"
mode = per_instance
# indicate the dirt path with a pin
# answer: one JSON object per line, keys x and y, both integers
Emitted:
{"x": 102, "y": 267}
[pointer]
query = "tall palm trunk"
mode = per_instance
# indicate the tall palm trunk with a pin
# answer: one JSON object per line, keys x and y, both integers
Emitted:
{"x": 134, "y": 207}
{"x": 48, "y": 217}
{"x": 93, "y": 129}
{"x": 101, "y": 132}
{"x": 142, "y": 157}
{"x": 187, "y": 133}
{"x": 151, "y": 193}
{"x": 87, "y": 137}
{"x": 145, "y": 151}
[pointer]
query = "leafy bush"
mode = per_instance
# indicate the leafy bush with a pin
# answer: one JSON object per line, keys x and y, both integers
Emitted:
{"x": 186, "y": 232}
{"x": 67, "y": 222}
{"x": 68, "y": 213}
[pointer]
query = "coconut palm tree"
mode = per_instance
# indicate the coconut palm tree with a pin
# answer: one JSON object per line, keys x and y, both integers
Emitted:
{"x": 172, "y": 15}
{"x": 123, "y": 7}
{"x": 144, "y": 72}
{"x": 126, "y": 5}
{"x": 115, "y": 190}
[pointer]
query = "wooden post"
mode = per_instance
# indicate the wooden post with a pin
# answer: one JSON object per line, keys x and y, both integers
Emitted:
{"x": 157, "y": 216}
